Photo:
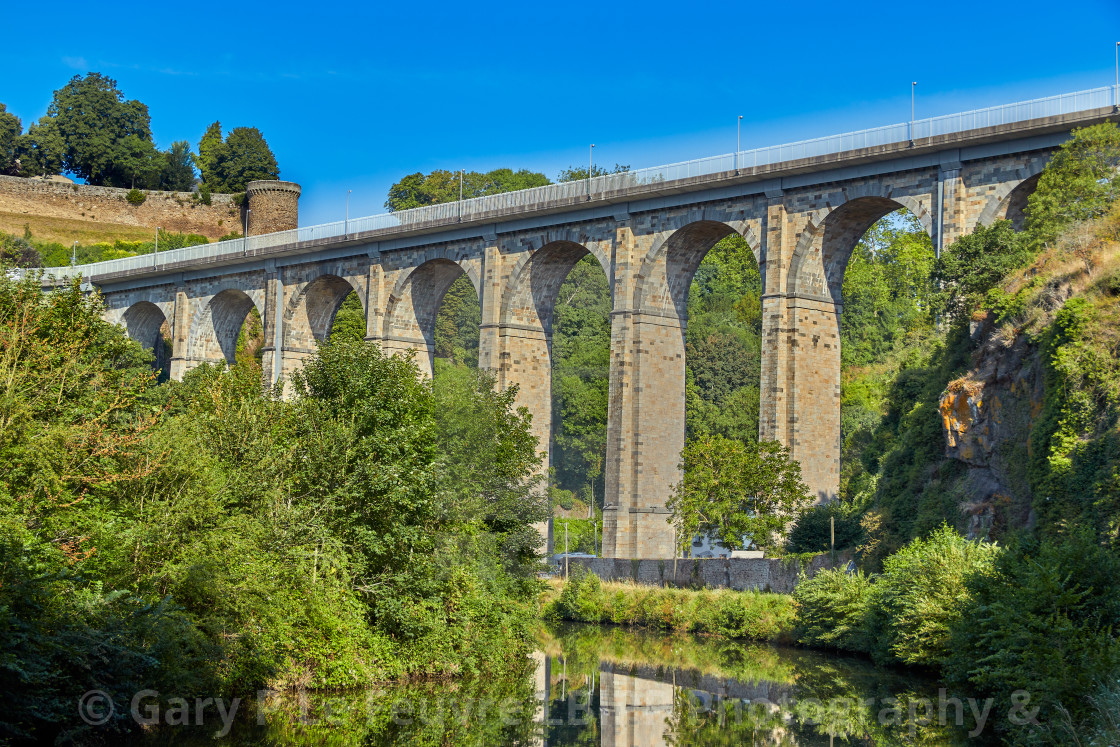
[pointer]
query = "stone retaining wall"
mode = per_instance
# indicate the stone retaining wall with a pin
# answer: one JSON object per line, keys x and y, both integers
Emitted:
{"x": 742, "y": 574}
{"x": 172, "y": 211}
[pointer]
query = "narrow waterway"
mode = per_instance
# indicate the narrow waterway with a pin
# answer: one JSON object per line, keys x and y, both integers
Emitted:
{"x": 590, "y": 685}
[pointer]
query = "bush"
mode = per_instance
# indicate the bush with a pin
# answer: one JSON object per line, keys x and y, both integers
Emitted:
{"x": 813, "y": 530}
{"x": 922, "y": 593}
{"x": 1044, "y": 620}
{"x": 135, "y": 197}
{"x": 832, "y": 609}
{"x": 723, "y": 612}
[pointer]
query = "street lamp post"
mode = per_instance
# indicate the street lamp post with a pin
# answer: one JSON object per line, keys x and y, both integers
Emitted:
{"x": 155, "y": 253}
{"x": 245, "y": 238}
{"x": 346, "y": 225}
{"x": 74, "y": 254}
{"x": 461, "y": 174}
{"x": 912, "y": 85}
{"x": 1116, "y": 90}
{"x": 590, "y": 166}
{"x": 738, "y": 147}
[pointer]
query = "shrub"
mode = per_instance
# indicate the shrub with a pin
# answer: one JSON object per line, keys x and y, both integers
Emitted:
{"x": 813, "y": 530}
{"x": 922, "y": 592}
{"x": 1044, "y": 620}
{"x": 135, "y": 197}
{"x": 832, "y": 609}
{"x": 581, "y": 598}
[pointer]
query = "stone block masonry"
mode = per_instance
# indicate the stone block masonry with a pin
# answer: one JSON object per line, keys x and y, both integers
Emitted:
{"x": 778, "y": 575}
{"x": 171, "y": 211}
{"x": 801, "y": 220}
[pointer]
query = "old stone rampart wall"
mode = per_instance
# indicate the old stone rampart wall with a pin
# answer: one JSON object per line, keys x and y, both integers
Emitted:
{"x": 172, "y": 211}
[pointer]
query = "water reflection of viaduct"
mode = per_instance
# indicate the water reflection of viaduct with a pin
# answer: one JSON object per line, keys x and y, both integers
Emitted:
{"x": 636, "y": 702}
{"x": 801, "y": 218}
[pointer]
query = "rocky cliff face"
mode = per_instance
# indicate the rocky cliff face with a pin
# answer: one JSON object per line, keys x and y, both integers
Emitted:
{"x": 987, "y": 416}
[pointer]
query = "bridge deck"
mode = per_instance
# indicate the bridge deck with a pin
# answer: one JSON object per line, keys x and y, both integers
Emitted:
{"x": 758, "y": 171}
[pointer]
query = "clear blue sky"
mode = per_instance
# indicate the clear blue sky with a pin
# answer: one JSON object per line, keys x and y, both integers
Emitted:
{"x": 354, "y": 98}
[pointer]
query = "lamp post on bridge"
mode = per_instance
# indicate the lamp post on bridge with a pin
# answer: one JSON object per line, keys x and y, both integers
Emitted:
{"x": 1116, "y": 90}
{"x": 738, "y": 130}
{"x": 155, "y": 252}
{"x": 74, "y": 254}
{"x": 461, "y": 174}
{"x": 590, "y": 166}
{"x": 912, "y": 86}
{"x": 346, "y": 225}
{"x": 245, "y": 238}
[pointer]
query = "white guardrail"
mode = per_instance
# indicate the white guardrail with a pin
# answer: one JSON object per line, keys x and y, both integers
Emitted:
{"x": 512, "y": 202}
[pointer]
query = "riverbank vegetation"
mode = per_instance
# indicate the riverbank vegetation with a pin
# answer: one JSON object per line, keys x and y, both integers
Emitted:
{"x": 749, "y": 615}
{"x": 209, "y": 537}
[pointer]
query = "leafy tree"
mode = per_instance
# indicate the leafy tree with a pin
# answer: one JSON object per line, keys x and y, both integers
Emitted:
{"x": 741, "y": 494}
{"x": 350, "y": 320}
{"x": 457, "y": 323}
{"x": 247, "y": 158}
{"x": 108, "y": 140}
{"x": 575, "y": 173}
{"x": 581, "y": 334}
{"x": 974, "y": 264}
{"x": 211, "y": 153}
{"x": 11, "y": 128}
{"x": 1080, "y": 183}
{"x": 42, "y": 149}
{"x": 177, "y": 174}
{"x": 228, "y": 166}
{"x": 439, "y": 186}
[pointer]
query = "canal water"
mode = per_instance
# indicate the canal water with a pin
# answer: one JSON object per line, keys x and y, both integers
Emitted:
{"x": 591, "y": 685}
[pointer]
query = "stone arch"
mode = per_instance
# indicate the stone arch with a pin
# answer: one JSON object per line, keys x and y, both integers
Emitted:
{"x": 216, "y": 326}
{"x": 309, "y": 314}
{"x": 410, "y": 315}
{"x": 529, "y": 297}
{"x": 824, "y": 247}
{"x": 143, "y": 321}
{"x": 663, "y": 281}
{"x": 1009, "y": 201}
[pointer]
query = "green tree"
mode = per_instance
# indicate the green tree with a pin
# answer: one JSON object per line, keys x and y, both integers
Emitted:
{"x": 246, "y": 158}
{"x": 42, "y": 149}
{"x": 974, "y": 264}
{"x": 738, "y": 493}
{"x": 439, "y": 186}
{"x": 1080, "y": 183}
{"x": 11, "y": 128}
{"x": 575, "y": 173}
{"x": 456, "y": 334}
{"x": 108, "y": 140}
{"x": 211, "y": 153}
{"x": 177, "y": 173}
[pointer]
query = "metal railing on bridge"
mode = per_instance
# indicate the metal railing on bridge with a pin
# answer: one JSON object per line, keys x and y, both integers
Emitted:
{"x": 510, "y": 203}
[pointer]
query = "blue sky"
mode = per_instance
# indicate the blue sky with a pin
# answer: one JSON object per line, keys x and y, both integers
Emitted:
{"x": 356, "y": 97}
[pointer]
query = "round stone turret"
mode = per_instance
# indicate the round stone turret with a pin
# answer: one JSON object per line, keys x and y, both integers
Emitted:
{"x": 273, "y": 206}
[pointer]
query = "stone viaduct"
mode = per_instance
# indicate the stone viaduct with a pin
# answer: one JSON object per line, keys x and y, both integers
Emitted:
{"x": 802, "y": 216}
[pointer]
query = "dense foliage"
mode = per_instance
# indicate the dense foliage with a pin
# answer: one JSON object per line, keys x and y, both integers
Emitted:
{"x": 229, "y": 165}
{"x": 212, "y": 537}
{"x": 90, "y": 131}
{"x": 746, "y": 495}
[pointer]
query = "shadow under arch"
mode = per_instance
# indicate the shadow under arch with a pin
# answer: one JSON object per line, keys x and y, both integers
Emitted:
{"x": 410, "y": 315}
{"x": 216, "y": 326}
{"x": 309, "y": 315}
{"x": 534, "y": 284}
{"x": 667, "y": 270}
{"x": 823, "y": 250}
{"x": 146, "y": 323}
